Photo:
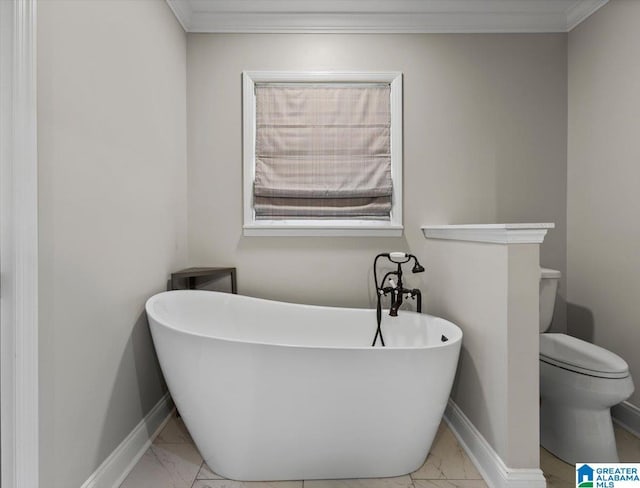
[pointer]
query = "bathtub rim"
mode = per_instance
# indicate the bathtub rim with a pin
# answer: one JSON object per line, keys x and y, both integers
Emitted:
{"x": 156, "y": 297}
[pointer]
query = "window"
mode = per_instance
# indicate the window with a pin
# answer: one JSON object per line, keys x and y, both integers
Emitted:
{"x": 322, "y": 153}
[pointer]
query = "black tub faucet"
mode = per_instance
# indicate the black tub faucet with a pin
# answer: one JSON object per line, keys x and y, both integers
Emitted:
{"x": 395, "y": 288}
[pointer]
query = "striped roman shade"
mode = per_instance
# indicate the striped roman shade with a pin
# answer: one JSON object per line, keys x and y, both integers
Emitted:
{"x": 322, "y": 151}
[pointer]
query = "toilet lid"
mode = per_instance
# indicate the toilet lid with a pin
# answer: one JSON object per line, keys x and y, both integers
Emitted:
{"x": 582, "y": 357}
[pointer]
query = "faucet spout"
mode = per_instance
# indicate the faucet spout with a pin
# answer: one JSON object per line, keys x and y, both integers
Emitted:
{"x": 393, "y": 311}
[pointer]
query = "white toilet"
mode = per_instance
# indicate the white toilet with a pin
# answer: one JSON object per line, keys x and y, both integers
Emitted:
{"x": 579, "y": 383}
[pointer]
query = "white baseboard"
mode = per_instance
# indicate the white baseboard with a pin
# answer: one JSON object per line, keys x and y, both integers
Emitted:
{"x": 112, "y": 472}
{"x": 491, "y": 466}
{"x": 627, "y": 416}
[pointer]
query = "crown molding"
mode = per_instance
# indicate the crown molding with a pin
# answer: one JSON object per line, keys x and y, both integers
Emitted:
{"x": 183, "y": 12}
{"x": 581, "y": 10}
{"x": 379, "y": 16}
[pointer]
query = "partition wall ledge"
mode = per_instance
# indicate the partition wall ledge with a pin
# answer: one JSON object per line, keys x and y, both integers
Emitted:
{"x": 516, "y": 233}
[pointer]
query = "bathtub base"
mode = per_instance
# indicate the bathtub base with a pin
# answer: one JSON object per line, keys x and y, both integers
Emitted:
{"x": 340, "y": 470}
{"x": 308, "y": 462}
{"x": 324, "y": 474}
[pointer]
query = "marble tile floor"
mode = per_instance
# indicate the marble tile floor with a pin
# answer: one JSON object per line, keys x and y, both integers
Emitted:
{"x": 562, "y": 475}
{"x": 173, "y": 461}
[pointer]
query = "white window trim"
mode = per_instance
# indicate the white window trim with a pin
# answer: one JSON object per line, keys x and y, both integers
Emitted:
{"x": 253, "y": 227}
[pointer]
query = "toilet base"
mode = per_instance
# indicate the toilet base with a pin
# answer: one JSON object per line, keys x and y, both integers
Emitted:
{"x": 577, "y": 435}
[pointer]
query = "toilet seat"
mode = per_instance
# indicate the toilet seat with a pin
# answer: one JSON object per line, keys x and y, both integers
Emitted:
{"x": 581, "y": 357}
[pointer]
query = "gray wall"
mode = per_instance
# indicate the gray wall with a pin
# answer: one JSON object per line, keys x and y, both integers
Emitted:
{"x": 112, "y": 191}
{"x": 484, "y": 137}
{"x": 484, "y": 141}
{"x": 603, "y": 236}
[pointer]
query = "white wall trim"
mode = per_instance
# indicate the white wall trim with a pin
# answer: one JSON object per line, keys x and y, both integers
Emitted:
{"x": 627, "y": 416}
{"x": 580, "y": 11}
{"x": 112, "y": 472}
{"x": 183, "y": 12}
{"x": 322, "y": 229}
{"x": 19, "y": 245}
{"x": 492, "y": 468}
{"x": 372, "y": 16}
{"x": 374, "y": 23}
{"x": 491, "y": 233}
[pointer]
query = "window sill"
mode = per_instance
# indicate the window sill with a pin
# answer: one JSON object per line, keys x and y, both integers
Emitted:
{"x": 298, "y": 228}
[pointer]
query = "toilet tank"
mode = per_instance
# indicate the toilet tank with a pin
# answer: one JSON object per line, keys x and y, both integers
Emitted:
{"x": 549, "y": 279}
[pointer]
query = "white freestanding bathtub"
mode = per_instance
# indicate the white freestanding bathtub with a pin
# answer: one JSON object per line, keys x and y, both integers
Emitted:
{"x": 278, "y": 391}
